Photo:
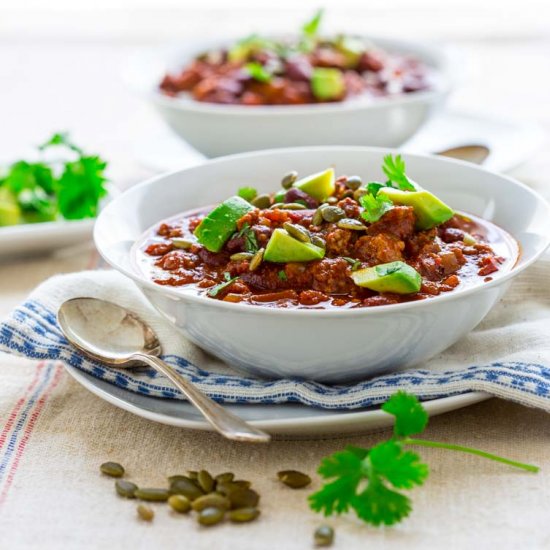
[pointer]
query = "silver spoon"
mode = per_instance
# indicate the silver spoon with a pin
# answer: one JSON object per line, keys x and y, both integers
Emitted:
{"x": 476, "y": 154}
{"x": 112, "y": 335}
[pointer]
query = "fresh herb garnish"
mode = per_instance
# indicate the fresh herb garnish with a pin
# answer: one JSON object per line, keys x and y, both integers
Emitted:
{"x": 368, "y": 480}
{"x": 250, "y": 241}
{"x": 215, "y": 290}
{"x": 311, "y": 28}
{"x": 247, "y": 193}
{"x": 375, "y": 206}
{"x": 395, "y": 172}
{"x": 282, "y": 275}
{"x": 355, "y": 264}
{"x": 258, "y": 72}
{"x": 41, "y": 191}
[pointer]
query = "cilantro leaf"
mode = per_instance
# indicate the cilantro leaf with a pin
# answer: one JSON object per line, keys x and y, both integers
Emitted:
{"x": 403, "y": 469}
{"x": 61, "y": 138}
{"x": 215, "y": 290}
{"x": 311, "y": 28}
{"x": 374, "y": 207}
{"x": 379, "y": 505}
{"x": 247, "y": 193}
{"x": 80, "y": 187}
{"x": 258, "y": 72}
{"x": 25, "y": 175}
{"x": 282, "y": 275}
{"x": 337, "y": 496}
{"x": 374, "y": 186}
{"x": 250, "y": 241}
{"x": 410, "y": 416}
{"x": 395, "y": 172}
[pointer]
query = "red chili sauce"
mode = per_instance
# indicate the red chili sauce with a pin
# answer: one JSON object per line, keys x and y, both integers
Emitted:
{"x": 446, "y": 257}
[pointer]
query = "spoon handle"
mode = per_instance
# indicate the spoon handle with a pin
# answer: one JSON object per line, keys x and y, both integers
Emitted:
{"x": 225, "y": 422}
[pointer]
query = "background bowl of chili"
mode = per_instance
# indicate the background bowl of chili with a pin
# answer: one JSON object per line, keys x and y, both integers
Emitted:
{"x": 329, "y": 345}
{"x": 220, "y": 129}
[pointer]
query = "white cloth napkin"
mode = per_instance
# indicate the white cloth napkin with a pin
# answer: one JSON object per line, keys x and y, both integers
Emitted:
{"x": 508, "y": 355}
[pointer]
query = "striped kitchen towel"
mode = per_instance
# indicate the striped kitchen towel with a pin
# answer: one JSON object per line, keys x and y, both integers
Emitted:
{"x": 508, "y": 355}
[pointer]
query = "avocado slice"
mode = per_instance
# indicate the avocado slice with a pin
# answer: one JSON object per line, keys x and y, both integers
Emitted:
{"x": 320, "y": 186}
{"x": 10, "y": 213}
{"x": 283, "y": 248}
{"x": 327, "y": 84}
{"x": 396, "y": 277}
{"x": 429, "y": 210}
{"x": 218, "y": 226}
{"x": 353, "y": 48}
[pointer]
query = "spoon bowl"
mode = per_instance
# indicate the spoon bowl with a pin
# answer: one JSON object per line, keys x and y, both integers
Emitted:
{"x": 110, "y": 334}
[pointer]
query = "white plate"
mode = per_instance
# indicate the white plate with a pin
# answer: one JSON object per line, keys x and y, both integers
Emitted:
{"x": 287, "y": 420}
{"x": 511, "y": 142}
{"x": 42, "y": 238}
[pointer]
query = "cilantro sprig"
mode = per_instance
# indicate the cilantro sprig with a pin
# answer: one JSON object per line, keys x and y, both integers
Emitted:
{"x": 394, "y": 169}
{"x": 250, "y": 241}
{"x": 375, "y": 206}
{"x": 258, "y": 72}
{"x": 70, "y": 186}
{"x": 370, "y": 481}
{"x": 215, "y": 290}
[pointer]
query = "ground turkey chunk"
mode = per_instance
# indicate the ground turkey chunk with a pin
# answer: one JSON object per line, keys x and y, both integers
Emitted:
{"x": 339, "y": 241}
{"x": 398, "y": 221}
{"x": 332, "y": 276}
{"x": 379, "y": 249}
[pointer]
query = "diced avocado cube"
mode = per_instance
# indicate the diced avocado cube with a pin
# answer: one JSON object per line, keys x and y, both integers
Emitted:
{"x": 352, "y": 47}
{"x": 396, "y": 277}
{"x": 10, "y": 213}
{"x": 320, "y": 186}
{"x": 218, "y": 226}
{"x": 327, "y": 84}
{"x": 429, "y": 210}
{"x": 283, "y": 248}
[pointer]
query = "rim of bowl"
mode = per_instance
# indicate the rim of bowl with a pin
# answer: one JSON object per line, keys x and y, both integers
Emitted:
{"x": 141, "y": 279}
{"x": 432, "y": 54}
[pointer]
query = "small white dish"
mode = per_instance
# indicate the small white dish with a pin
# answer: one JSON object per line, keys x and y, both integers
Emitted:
{"x": 43, "y": 238}
{"x": 330, "y": 346}
{"x": 216, "y": 130}
{"x": 287, "y": 420}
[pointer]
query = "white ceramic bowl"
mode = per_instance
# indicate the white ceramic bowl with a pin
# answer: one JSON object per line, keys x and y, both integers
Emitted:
{"x": 225, "y": 129}
{"x": 326, "y": 345}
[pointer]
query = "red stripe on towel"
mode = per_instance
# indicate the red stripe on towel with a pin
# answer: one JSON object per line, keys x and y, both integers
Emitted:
{"x": 29, "y": 429}
{"x": 18, "y": 406}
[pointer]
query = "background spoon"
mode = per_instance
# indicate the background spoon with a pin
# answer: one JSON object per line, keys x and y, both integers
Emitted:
{"x": 112, "y": 335}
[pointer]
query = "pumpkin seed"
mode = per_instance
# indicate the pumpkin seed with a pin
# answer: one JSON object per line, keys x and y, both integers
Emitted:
{"x": 276, "y": 206}
{"x": 175, "y": 478}
{"x": 210, "y": 516}
{"x": 240, "y": 256}
{"x": 294, "y": 479}
{"x": 186, "y": 487}
{"x": 318, "y": 215}
{"x": 192, "y": 474}
{"x": 262, "y": 202}
{"x": 324, "y": 535}
{"x": 354, "y": 182}
{"x": 241, "y": 497}
{"x": 113, "y": 469}
{"x": 182, "y": 243}
{"x": 298, "y": 232}
{"x": 293, "y": 206}
{"x": 358, "y": 193}
{"x": 242, "y": 483}
{"x": 241, "y": 515}
{"x": 206, "y": 481}
{"x": 225, "y": 477}
{"x": 145, "y": 512}
{"x": 125, "y": 489}
{"x": 179, "y": 504}
{"x": 152, "y": 494}
{"x": 289, "y": 179}
{"x": 350, "y": 223}
{"x": 211, "y": 500}
{"x": 355, "y": 264}
{"x": 318, "y": 241}
{"x": 332, "y": 214}
{"x": 332, "y": 200}
{"x": 256, "y": 260}
{"x": 469, "y": 240}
